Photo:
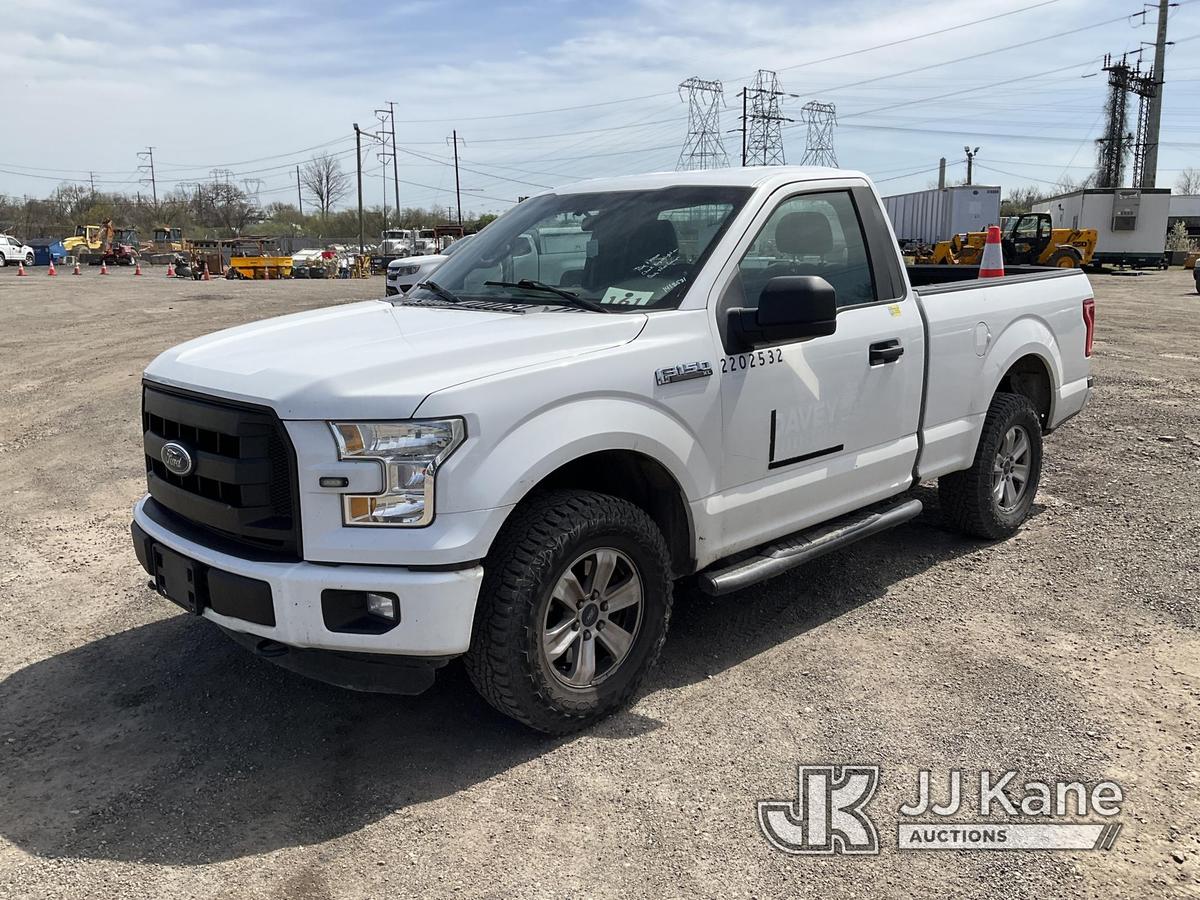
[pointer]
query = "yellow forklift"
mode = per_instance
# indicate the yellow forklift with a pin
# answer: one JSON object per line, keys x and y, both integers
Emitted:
{"x": 1028, "y": 240}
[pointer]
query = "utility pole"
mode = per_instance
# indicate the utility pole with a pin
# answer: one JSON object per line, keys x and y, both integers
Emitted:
{"x": 148, "y": 154}
{"x": 744, "y": 127}
{"x": 386, "y": 135}
{"x": 942, "y": 174}
{"x": 970, "y": 163}
{"x": 92, "y": 180}
{"x": 299, "y": 194}
{"x": 457, "y": 186}
{"x": 358, "y": 166}
{"x": 1157, "y": 77}
{"x": 391, "y": 119}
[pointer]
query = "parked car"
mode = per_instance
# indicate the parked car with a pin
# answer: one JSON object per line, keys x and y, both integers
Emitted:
{"x": 717, "y": 375}
{"x": 402, "y": 274}
{"x": 13, "y": 251}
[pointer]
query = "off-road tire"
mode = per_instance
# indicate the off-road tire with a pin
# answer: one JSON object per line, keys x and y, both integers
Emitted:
{"x": 1061, "y": 256}
{"x": 966, "y": 497}
{"x": 536, "y": 545}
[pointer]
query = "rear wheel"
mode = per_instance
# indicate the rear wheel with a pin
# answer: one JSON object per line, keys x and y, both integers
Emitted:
{"x": 573, "y": 611}
{"x": 993, "y": 497}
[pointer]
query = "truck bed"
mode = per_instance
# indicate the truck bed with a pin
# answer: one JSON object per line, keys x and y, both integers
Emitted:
{"x": 932, "y": 278}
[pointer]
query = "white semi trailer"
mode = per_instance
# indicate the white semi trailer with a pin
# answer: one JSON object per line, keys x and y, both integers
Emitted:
{"x": 926, "y": 217}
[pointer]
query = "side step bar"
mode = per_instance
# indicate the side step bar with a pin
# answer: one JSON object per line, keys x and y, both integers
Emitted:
{"x": 803, "y": 546}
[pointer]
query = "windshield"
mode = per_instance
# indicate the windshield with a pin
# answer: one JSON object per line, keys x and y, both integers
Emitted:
{"x": 633, "y": 250}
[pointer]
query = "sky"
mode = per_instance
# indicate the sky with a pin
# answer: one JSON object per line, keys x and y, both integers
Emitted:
{"x": 546, "y": 93}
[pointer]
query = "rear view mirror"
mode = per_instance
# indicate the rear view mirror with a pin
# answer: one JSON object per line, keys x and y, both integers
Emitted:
{"x": 790, "y": 308}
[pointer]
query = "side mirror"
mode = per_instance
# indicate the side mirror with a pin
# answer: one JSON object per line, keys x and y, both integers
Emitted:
{"x": 790, "y": 308}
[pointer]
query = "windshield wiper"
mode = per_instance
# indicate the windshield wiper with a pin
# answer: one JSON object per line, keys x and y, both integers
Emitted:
{"x": 441, "y": 292}
{"x": 574, "y": 299}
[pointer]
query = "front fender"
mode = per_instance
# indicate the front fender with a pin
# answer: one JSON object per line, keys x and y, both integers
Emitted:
{"x": 503, "y": 472}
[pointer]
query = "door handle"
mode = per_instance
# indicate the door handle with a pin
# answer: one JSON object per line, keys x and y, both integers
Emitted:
{"x": 885, "y": 352}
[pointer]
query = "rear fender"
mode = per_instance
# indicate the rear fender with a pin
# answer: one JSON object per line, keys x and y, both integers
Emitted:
{"x": 1026, "y": 336}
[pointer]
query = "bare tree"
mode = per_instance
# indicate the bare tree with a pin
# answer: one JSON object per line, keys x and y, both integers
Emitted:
{"x": 1188, "y": 182}
{"x": 1020, "y": 200}
{"x": 325, "y": 181}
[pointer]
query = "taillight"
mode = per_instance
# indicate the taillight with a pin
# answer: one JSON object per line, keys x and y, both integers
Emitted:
{"x": 1089, "y": 324}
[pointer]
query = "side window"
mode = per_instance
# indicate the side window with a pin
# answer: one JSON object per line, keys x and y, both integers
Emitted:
{"x": 812, "y": 234}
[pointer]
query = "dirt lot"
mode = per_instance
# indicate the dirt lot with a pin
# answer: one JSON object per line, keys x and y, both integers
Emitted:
{"x": 142, "y": 754}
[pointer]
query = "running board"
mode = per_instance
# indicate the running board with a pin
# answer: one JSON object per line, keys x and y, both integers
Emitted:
{"x": 803, "y": 546}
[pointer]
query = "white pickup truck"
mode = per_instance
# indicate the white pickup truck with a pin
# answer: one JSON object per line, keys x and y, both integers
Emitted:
{"x": 716, "y": 375}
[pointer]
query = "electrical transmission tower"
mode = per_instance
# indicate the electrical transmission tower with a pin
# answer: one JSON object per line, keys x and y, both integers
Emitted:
{"x": 762, "y": 130}
{"x": 703, "y": 148}
{"x": 1118, "y": 143}
{"x": 147, "y": 168}
{"x": 821, "y": 119}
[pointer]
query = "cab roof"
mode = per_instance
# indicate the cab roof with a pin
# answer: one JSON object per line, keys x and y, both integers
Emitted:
{"x": 748, "y": 176}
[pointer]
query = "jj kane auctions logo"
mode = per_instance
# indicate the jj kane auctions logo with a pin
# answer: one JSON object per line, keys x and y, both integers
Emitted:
{"x": 829, "y": 813}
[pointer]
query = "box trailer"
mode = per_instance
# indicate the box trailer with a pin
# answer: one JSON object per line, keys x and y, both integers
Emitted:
{"x": 926, "y": 217}
{"x": 1131, "y": 224}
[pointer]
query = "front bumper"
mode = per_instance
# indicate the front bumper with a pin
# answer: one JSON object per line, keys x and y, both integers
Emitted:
{"x": 437, "y": 608}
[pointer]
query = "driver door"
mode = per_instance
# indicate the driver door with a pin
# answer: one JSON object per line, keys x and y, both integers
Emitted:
{"x": 820, "y": 426}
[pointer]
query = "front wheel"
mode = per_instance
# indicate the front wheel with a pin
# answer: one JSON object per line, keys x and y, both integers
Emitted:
{"x": 29, "y": 259}
{"x": 1065, "y": 259}
{"x": 573, "y": 611}
{"x": 993, "y": 497}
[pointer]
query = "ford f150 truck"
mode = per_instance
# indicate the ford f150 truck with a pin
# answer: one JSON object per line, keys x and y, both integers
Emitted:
{"x": 618, "y": 384}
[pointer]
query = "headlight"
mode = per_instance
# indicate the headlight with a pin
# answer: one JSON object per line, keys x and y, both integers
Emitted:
{"x": 405, "y": 270}
{"x": 410, "y": 453}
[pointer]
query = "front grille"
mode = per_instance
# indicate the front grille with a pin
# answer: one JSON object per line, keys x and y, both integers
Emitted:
{"x": 242, "y": 485}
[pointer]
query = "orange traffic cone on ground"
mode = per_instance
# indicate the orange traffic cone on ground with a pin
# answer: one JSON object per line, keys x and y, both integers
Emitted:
{"x": 52, "y": 270}
{"x": 76, "y": 269}
{"x": 20, "y": 269}
{"x": 137, "y": 268}
{"x": 992, "y": 265}
{"x": 206, "y": 277}
{"x": 171, "y": 269}
{"x": 103, "y": 267}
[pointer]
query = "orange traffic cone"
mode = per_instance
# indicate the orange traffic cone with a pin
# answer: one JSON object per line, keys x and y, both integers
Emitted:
{"x": 51, "y": 270}
{"x": 103, "y": 267}
{"x": 171, "y": 269}
{"x": 137, "y": 268}
{"x": 76, "y": 271}
{"x": 206, "y": 277}
{"x": 21, "y": 269}
{"x": 992, "y": 265}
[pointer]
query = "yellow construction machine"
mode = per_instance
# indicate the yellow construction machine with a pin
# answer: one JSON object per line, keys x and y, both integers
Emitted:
{"x": 1028, "y": 240}
{"x": 96, "y": 244}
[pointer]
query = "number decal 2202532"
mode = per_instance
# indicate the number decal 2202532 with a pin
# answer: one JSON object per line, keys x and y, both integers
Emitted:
{"x": 751, "y": 360}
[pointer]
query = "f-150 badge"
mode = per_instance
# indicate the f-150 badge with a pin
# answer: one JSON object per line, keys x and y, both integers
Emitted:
{"x": 683, "y": 372}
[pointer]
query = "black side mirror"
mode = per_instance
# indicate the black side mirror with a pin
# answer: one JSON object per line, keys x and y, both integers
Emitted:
{"x": 790, "y": 308}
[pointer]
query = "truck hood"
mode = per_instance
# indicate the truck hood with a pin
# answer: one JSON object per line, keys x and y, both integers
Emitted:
{"x": 375, "y": 360}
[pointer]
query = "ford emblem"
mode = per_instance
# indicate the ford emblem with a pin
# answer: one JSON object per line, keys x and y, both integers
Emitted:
{"x": 176, "y": 458}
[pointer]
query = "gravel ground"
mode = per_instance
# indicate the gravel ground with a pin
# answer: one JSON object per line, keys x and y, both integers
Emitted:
{"x": 144, "y": 755}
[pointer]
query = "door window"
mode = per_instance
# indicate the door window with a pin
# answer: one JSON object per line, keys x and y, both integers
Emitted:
{"x": 812, "y": 234}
